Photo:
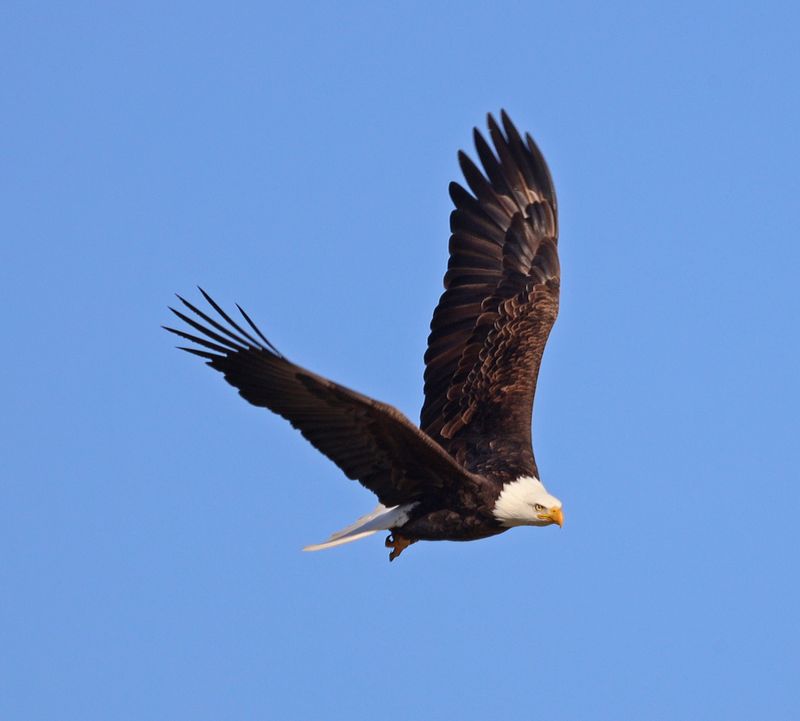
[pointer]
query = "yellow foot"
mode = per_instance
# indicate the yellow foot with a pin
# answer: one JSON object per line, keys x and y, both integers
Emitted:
{"x": 398, "y": 544}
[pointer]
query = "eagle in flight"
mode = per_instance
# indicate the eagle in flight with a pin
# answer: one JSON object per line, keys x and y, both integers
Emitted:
{"x": 468, "y": 471}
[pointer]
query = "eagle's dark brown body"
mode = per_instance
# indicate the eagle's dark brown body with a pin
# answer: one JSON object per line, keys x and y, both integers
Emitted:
{"x": 467, "y": 518}
{"x": 487, "y": 337}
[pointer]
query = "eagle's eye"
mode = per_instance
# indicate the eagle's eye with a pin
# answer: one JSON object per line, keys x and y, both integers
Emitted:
{"x": 538, "y": 507}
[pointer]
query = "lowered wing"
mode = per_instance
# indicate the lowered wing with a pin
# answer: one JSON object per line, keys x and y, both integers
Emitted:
{"x": 371, "y": 442}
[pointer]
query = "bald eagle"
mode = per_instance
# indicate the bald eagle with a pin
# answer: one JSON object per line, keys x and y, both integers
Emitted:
{"x": 468, "y": 471}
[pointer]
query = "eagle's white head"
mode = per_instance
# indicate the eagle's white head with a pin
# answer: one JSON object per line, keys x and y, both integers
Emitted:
{"x": 525, "y": 502}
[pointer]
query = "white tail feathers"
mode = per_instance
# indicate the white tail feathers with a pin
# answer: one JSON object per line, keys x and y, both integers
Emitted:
{"x": 381, "y": 519}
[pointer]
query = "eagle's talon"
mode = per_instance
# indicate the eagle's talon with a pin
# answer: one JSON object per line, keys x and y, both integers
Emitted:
{"x": 398, "y": 544}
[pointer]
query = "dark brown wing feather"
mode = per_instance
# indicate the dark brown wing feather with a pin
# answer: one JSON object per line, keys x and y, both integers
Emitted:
{"x": 370, "y": 441}
{"x": 501, "y": 299}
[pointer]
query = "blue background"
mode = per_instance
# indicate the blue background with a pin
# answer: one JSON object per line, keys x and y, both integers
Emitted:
{"x": 295, "y": 159}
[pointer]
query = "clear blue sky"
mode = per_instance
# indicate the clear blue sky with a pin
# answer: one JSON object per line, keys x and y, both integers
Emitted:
{"x": 296, "y": 159}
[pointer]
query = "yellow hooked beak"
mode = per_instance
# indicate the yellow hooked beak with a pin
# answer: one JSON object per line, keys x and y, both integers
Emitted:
{"x": 555, "y": 515}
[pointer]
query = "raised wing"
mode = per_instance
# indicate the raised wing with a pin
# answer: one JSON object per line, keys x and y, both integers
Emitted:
{"x": 501, "y": 299}
{"x": 370, "y": 441}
